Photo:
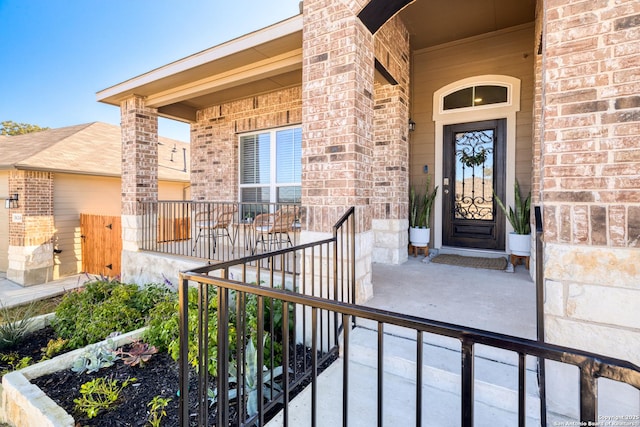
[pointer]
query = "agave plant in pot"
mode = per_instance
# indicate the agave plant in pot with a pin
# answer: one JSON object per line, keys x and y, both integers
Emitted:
{"x": 519, "y": 218}
{"x": 420, "y": 207}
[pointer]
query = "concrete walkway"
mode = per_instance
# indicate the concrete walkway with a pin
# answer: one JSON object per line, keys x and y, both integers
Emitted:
{"x": 12, "y": 294}
{"x": 491, "y": 300}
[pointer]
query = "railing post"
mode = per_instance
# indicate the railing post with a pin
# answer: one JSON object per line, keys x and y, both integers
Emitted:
{"x": 542, "y": 387}
{"x": 380, "y": 374}
{"x": 203, "y": 352}
{"x": 183, "y": 355}
{"x": 588, "y": 394}
{"x": 467, "y": 383}
{"x": 223, "y": 361}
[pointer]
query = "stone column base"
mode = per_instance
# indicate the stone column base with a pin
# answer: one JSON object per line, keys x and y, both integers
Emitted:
{"x": 30, "y": 265}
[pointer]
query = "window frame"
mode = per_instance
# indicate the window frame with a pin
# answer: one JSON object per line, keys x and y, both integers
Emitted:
{"x": 273, "y": 184}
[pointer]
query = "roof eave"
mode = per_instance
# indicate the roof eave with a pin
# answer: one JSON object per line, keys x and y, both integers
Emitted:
{"x": 114, "y": 95}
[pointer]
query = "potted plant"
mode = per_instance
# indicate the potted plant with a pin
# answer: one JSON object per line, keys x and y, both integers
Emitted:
{"x": 519, "y": 218}
{"x": 420, "y": 206}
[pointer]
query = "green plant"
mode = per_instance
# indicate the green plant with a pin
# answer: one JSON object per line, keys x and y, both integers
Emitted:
{"x": 156, "y": 410}
{"x": 519, "y": 215}
{"x": 102, "y": 307}
{"x": 421, "y": 205}
{"x": 54, "y": 347}
{"x": 98, "y": 394}
{"x": 15, "y": 325}
{"x": 139, "y": 353}
{"x": 12, "y": 362}
{"x": 95, "y": 357}
{"x": 273, "y": 314}
{"x": 250, "y": 377}
{"x": 163, "y": 330}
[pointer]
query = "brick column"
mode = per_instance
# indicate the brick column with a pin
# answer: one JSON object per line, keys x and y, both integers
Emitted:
{"x": 139, "y": 174}
{"x": 590, "y": 188}
{"x": 31, "y": 228}
{"x": 337, "y": 124}
{"x": 391, "y": 146}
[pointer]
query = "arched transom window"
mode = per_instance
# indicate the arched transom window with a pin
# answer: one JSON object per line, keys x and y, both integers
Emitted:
{"x": 475, "y": 96}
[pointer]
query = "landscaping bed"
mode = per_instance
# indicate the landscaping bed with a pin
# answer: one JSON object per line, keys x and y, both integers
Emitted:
{"x": 145, "y": 391}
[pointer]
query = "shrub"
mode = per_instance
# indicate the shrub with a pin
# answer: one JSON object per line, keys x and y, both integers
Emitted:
{"x": 14, "y": 325}
{"x": 103, "y": 307}
{"x": 164, "y": 334}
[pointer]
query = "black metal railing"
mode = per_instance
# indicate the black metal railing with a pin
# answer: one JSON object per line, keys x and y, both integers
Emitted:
{"x": 591, "y": 366}
{"x": 310, "y": 315}
{"x": 218, "y": 231}
{"x": 252, "y": 331}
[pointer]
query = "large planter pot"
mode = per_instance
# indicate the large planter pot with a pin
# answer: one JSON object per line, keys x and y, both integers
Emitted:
{"x": 419, "y": 237}
{"x": 520, "y": 244}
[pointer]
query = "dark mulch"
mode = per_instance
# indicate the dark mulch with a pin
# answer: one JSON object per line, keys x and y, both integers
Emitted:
{"x": 158, "y": 377}
{"x": 31, "y": 346}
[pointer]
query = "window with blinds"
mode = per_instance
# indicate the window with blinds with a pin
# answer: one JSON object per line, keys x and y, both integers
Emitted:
{"x": 271, "y": 166}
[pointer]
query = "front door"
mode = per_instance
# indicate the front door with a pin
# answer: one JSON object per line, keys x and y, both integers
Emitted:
{"x": 474, "y": 166}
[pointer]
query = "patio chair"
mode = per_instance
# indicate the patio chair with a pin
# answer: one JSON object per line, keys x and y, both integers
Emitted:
{"x": 215, "y": 223}
{"x": 276, "y": 227}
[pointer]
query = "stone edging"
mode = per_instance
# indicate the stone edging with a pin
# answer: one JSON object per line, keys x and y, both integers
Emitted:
{"x": 23, "y": 404}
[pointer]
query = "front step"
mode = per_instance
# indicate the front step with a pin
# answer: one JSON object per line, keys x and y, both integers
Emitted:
{"x": 496, "y": 372}
{"x": 440, "y": 408}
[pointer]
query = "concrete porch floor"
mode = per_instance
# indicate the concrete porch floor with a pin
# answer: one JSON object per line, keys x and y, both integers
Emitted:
{"x": 491, "y": 300}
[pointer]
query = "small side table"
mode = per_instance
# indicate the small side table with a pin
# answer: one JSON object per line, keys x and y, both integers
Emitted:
{"x": 416, "y": 249}
{"x": 515, "y": 260}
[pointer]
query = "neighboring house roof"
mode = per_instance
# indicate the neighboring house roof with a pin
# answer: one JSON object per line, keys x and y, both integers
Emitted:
{"x": 90, "y": 149}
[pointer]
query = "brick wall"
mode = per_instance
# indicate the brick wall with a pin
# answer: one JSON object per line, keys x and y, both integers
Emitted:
{"x": 337, "y": 114}
{"x": 139, "y": 154}
{"x": 590, "y": 175}
{"x": 214, "y": 138}
{"x": 30, "y": 252}
{"x": 391, "y": 117}
{"x": 592, "y": 123}
{"x": 35, "y": 204}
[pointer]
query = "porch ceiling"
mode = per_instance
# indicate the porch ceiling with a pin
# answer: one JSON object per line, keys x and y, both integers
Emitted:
{"x": 435, "y": 22}
{"x": 271, "y": 58}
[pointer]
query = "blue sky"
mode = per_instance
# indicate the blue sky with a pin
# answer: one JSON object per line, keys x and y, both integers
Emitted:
{"x": 57, "y": 54}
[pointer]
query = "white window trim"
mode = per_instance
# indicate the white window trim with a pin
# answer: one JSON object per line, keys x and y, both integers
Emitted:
{"x": 273, "y": 185}
{"x": 505, "y": 110}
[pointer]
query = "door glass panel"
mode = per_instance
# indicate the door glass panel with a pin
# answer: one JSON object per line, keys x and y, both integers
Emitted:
{"x": 474, "y": 175}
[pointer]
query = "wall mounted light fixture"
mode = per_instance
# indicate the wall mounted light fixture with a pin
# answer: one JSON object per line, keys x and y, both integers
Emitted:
{"x": 11, "y": 202}
{"x": 412, "y": 125}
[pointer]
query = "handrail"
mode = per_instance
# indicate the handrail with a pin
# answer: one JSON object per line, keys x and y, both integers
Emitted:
{"x": 494, "y": 339}
{"x": 591, "y": 365}
{"x": 285, "y": 261}
{"x": 331, "y": 315}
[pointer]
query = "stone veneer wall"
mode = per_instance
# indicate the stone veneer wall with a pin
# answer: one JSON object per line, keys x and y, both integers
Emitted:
{"x": 214, "y": 138}
{"x": 391, "y": 146}
{"x": 590, "y": 183}
{"x": 31, "y": 228}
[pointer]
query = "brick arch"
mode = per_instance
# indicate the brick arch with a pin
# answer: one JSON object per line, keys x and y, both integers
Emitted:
{"x": 377, "y": 12}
